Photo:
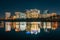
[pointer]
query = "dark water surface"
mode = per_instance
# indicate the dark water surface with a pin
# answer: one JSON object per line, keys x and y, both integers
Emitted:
{"x": 23, "y": 36}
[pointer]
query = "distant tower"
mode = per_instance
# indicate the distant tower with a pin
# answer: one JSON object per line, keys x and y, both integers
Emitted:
{"x": 7, "y": 15}
{"x": 22, "y": 15}
{"x": 17, "y": 14}
{"x": 7, "y": 24}
{"x": 17, "y": 24}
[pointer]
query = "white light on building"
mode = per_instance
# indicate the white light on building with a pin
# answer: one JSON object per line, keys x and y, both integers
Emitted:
{"x": 17, "y": 14}
{"x": 7, "y": 24}
{"x": 22, "y": 15}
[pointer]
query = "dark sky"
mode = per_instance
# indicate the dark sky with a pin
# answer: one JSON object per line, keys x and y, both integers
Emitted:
{"x": 21, "y": 5}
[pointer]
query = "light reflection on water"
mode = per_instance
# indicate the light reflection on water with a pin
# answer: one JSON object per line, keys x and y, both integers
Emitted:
{"x": 22, "y": 34}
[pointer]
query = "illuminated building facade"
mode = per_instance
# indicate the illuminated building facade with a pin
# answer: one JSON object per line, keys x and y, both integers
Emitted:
{"x": 33, "y": 13}
{"x": 17, "y": 24}
{"x": 33, "y": 27}
{"x": 22, "y": 15}
{"x": 17, "y": 14}
{"x": 7, "y": 24}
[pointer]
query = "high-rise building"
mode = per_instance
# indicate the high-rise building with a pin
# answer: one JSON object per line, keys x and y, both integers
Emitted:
{"x": 17, "y": 24}
{"x": 17, "y": 14}
{"x": 22, "y": 15}
{"x": 7, "y": 24}
{"x": 14, "y": 23}
{"x": 28, "y": 15}
{"x": 54, "y": 24}
{"x": 7, "y": 15}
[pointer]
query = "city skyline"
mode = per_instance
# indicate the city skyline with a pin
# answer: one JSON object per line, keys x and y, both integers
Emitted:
{"x": 31, "y": 10}
{"x": 15, "y": 24}
{"x": 34, "y": 24}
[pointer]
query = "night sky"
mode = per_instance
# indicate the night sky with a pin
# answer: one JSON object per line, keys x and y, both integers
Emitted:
{"x": 22, "y": 5}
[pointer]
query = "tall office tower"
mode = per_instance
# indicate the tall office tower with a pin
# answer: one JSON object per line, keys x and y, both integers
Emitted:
{"x": 54, "y": 25}
{"x": 7, "y": 24}
{"x": 28, "y": 15}
{"x": 17, "y": 26}
{"x": 17, "y": 14}
{"x": 22, "y": 26}
{"x": 32, "y": 13}
{"x": 7, "y": 15}
{"x": 22, "y": 15}
{"x": 44, "y": 15}
{"x": 34, "y": 27}
{"x": 14, "y": 23}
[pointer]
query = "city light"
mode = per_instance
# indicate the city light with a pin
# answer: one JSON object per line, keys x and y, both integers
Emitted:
{"x": 32, "y": 27}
